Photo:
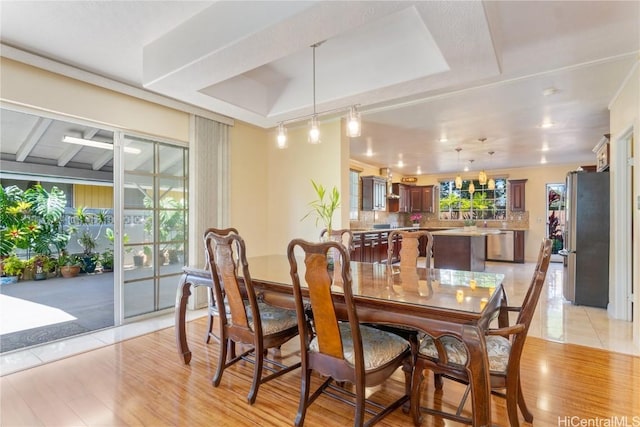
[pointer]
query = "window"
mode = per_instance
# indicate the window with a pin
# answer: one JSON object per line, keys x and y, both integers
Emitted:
{"x": 483, "y": 204}
{"x": 354, "y": 196}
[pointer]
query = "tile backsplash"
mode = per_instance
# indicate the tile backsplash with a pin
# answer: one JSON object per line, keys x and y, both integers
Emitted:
{"x": 518, "y": 220}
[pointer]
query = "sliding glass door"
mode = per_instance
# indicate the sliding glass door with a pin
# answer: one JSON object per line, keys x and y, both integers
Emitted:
{"x": 154, "y": 238}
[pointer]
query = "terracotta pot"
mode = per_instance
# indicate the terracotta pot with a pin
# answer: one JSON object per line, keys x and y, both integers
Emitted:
{"x": 69, "y": 270}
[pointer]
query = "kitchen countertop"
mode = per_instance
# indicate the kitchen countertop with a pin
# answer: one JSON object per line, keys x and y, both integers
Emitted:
{"x": 462, "y": 232}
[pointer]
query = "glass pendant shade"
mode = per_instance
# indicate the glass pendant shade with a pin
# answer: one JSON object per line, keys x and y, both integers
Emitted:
{"x": 314, "y": 131}
{"x": 353, "y": 123}
{"x": 282, "y": 136}
{"x": 472, "y": 188}
{"x": 492, "y": 184}
{"x": 458, "y": 182}
{"x": 482, "y": 177}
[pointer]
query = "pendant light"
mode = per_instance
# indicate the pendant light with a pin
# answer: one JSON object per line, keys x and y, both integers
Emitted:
{"x": 282, "y": 136}
{"x": 353, "y": 123}
{"x": 458, "y": 179}
{"x": 314, "y": 130}
{"x": 491, "y": 185}
{"x": 482, "y": 176}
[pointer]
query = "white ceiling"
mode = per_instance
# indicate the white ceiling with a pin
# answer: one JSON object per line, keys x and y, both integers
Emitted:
{"x": 419, "y": 70}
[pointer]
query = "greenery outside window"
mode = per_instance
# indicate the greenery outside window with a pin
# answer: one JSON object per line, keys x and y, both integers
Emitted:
{"x": 483, "y": 204}
{"x": 354, "y": 196}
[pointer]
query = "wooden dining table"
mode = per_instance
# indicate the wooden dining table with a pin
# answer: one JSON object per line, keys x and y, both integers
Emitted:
{"x": 436, "y": 301}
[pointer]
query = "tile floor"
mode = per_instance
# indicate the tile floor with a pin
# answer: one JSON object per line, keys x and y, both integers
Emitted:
{"x": 555, "y": 320}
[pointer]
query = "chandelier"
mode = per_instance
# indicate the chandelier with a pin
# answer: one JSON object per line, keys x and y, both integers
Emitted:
{"x": 354, "y": 123}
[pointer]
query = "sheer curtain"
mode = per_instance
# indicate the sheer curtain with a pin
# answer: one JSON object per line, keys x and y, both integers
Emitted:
{"x": 208, "y": 182}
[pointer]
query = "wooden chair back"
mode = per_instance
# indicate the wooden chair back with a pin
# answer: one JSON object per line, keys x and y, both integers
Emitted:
{"x": 227, "y": 261}
{"x": 213, "y": 307}
{"x": 329, "y": 360}
{"x": 409, "y": 250}
{"x": 343, "y": 235}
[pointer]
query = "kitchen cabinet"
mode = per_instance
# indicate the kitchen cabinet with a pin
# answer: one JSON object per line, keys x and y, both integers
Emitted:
{"x": 518, "y": 246}
{"x": 516, "y": 195}
{"x": 374, "y": 193}
{"x": 402, "y": 203}
{"x": 421, "y": 198}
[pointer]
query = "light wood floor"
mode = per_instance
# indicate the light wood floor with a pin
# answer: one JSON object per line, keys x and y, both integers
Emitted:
{"x": 142, "y": 381}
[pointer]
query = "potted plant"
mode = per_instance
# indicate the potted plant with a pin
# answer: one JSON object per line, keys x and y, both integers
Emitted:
{"x": 69, "y": 265}
{"x": 469, "y": 224}
{"x": 415, "y": 219}
{"x": 39, "y": 265}
{"x": 12, "y": 267}
{"x": 87, "y": 238}
{"x": 106, "y": 260}
{"x": 324, "y": 206}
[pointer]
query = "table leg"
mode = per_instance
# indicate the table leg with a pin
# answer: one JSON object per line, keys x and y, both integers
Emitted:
{"x": 182, "y": 296}
{"x": 478, "y": 371}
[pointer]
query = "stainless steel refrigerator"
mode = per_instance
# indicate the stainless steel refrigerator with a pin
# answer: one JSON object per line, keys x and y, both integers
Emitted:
{"x": 586, "y": 242}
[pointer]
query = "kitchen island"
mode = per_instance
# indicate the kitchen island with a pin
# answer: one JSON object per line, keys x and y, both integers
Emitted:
{"x": 461, "y": 248}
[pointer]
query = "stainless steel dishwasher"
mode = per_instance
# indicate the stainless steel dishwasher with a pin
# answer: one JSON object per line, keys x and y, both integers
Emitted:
{"x": 500, "y": 246}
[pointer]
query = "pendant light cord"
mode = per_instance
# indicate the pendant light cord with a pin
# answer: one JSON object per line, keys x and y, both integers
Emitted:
{"x": 314, "y": 79}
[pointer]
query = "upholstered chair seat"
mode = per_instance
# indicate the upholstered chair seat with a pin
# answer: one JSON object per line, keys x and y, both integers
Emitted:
{"x": 498, "y": 349}
{"x": 274, "y": 319}
{"x": 379, "y": 347}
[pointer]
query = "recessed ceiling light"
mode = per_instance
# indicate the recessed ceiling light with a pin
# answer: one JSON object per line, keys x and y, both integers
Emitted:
{"x": 544, "y": 148}
{"x": 419, "y": 170}
{"x": 400, "y": 164}
{"x": 369, "y": 152}
{"x": 550, "y": 91}
{"x": 543, "y": 160}
{"x": 443, "y": 139}
{"x": 547, "y": 124}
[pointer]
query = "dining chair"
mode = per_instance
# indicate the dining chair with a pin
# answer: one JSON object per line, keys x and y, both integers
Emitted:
{"x": 409, "y": 247}
{"x": 251, "y": 321}
{"x": 212, "y": 309}
{"x": 447, "y": 357}
{"x": 343, "y": 235}
{"x": 341, "y": 351}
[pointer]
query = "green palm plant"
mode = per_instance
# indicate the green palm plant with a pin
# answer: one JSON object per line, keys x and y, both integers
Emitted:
{"x": 322, "y": 208}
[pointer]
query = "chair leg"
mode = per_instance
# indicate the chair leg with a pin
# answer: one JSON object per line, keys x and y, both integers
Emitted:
{"x": 304, "y": 396}
{"x": 528, "y": 416}
{"x": 222, "y": 360}
{"x": 512, "y": 396}
{"x": 416, "y": 383}
{"x": 360, "y": 402}
{"x": 207, "y": 336}
{"x": 437, "y": 381}
{"x": 259, "y": 352}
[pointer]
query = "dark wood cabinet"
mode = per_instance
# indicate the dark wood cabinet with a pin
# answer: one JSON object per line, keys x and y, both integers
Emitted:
{"x": 421, "y": 198}
{"x": 518, "y": 246}
{"x": 402, "y": 203}
{"x": 517, "y": 194}
{"x": 374, "y": 193}
{"x": 427, "y": 198}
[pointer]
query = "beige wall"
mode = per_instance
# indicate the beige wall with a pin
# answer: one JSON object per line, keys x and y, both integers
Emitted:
{"x": 289, "y": 188}
{"x": 28, "y": 86}
{"x": 249, "y": 191}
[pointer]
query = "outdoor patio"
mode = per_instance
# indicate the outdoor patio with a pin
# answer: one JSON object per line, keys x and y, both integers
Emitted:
{"x": 39, "y": 311}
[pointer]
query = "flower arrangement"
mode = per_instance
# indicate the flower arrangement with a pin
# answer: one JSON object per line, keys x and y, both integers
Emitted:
{"x": 416, "y": 217}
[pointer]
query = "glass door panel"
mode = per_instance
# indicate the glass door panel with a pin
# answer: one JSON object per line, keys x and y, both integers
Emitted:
{"x": 556, "y": 218}
{"x": 155, "y": 194}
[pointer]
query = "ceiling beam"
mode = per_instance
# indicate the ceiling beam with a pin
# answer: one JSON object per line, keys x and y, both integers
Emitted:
{"x": 21, "y": 168}
{"x": 71, "y": 152}
{"x": 32, "y": 139}
{"x": 102, "y": 160}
